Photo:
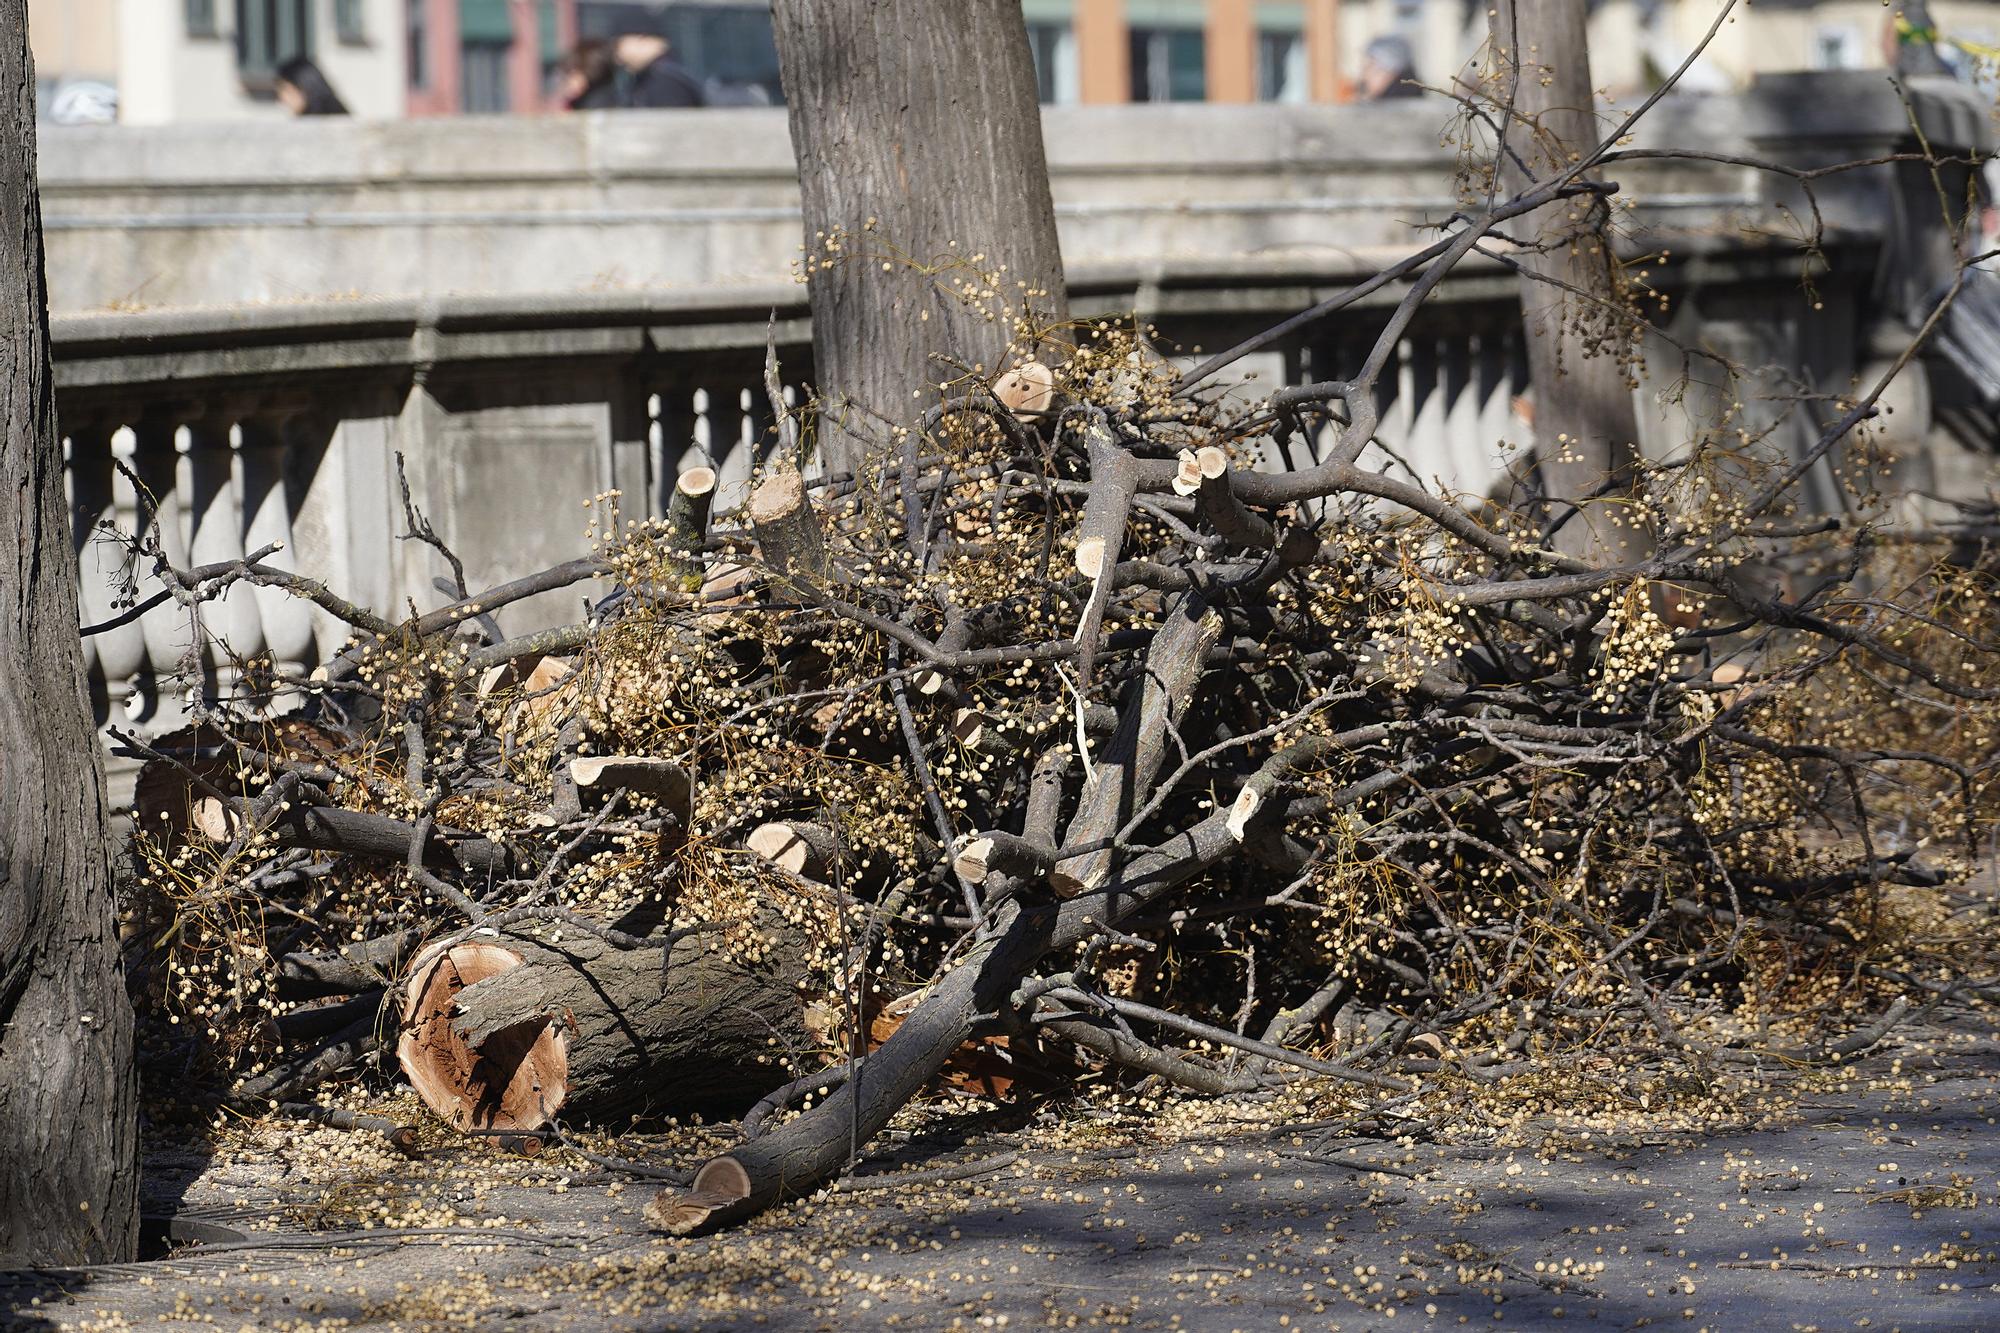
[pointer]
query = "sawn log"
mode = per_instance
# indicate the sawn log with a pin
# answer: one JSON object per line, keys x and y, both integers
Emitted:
{"x": 503, "y": 1030}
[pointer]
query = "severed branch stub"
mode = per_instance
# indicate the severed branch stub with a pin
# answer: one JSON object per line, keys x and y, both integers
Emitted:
{"x": 789, "y": 534}
{"x": 687, "y": 524}
{"x": 803, "y": 848}
{"x": 659, "y": 780}
{"x": 1001, "y": 853}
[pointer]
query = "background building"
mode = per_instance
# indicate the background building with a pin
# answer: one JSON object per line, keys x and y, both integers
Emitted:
{"x": 182, "y": 60}
{"x": 484, "y": 57}
{"x": 157, "y": 61}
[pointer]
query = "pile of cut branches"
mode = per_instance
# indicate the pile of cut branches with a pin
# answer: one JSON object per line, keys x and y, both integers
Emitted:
{"x": 1067, "y": 742}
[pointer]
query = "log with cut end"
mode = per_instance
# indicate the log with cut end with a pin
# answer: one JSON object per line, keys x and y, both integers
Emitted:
{"x": 687, "y": 525}
{"x": 789, "y": 536}
{"x": 212, "y": 819}
{"x": 1114, "y": 483}
{"x": 1229, "y": 516}
{"x": 660, "y": 780}
{"x": 968, "y": 727}
{"x": 1029, "y": 389}
{"x": 500, "y": 1031}
{"x": 1003, "y": 853}
{"x": 807, "y": 850}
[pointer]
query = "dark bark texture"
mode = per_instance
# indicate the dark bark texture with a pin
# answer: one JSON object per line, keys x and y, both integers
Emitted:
{"x": 923, "y": 119}
{"x": 68, "y": 1091}
{"x": 1586, "y": 429}
{"x": 706, "y": 1031}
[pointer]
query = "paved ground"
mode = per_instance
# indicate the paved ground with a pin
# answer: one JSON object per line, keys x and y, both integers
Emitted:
{"x": 1866, "y": 1201}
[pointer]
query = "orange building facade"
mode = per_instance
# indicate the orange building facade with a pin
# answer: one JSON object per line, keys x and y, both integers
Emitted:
{"x": 1111, "y": 51}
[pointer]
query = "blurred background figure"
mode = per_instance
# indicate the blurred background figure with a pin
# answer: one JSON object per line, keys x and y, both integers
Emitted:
{"x": 587, "y": 77}
{"x": 304, "y": 91}
{"x": 1910, "y": 43}
{"x": 655, "y": 78}
{"x": 84, "y": 102}
{"x": 1387, "y": 67}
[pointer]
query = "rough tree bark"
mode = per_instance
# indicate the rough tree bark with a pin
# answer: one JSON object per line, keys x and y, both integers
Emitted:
{"x": 916, "y": 126}
{"x": 1586, "y": 429}
{"x": 502, "y": 1031}
{"x": 68, "y": 1091}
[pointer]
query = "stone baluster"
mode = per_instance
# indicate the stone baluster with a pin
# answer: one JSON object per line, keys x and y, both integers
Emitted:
{"x": 1390, "y": 388}
{"x": 1501, "y": 430}
{"x": 717, "y": 435}
{"x": 158, "y": 462}
{"x": 216, "y": 509}
{"x": 1474, "y": 459}
{"x": 664, "y": 440}
{"x": 1324, "y": 359}
{"x": 1396, "y": 404}
{"x": 114, "y": 656}
{"x": 330, "y": 541}
{"x": 267, "y": 517}
{"x": 1424, "y": 445}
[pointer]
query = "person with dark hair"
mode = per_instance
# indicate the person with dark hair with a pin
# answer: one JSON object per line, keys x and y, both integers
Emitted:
{"x": 1388, "y": 69}
{"x": 305, "y": 91}
{"x": 657, "y": 79}
{"x": 587, "y": 77}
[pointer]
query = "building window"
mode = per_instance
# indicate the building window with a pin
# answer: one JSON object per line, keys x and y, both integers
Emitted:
{"x": 268, "y": 33}
{"x": 201, "y": 18}
{"x": 486, "y": 39}
{"x": 1281, "y": 67}
{"x": 348, "y": 23}
{"x": 483, "y": 77}
{"x": 417, "y": 29}
{"x": 1836, "y": 48}
{"x": 1169, "y": 65}
{"x": 1282, "y": 71}
{"x": 1054, "y": 49}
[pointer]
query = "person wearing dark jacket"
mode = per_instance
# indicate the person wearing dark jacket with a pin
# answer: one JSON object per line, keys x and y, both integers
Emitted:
{"x": 656, "y": 78}
{"x": 305, "y": 91}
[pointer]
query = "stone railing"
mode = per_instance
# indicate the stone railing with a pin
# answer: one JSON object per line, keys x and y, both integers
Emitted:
{"x": 282, "y": 423}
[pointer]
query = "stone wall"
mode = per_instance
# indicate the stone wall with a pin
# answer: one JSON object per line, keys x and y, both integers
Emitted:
{"x": 193, "y": 215}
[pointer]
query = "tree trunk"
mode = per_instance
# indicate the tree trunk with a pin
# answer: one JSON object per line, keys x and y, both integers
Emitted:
{"x": 919, "y": 139}
{"x": 1586, "y": 429}
{"x": 68, "y": 1092}
{"x": 501, "y": 1032}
